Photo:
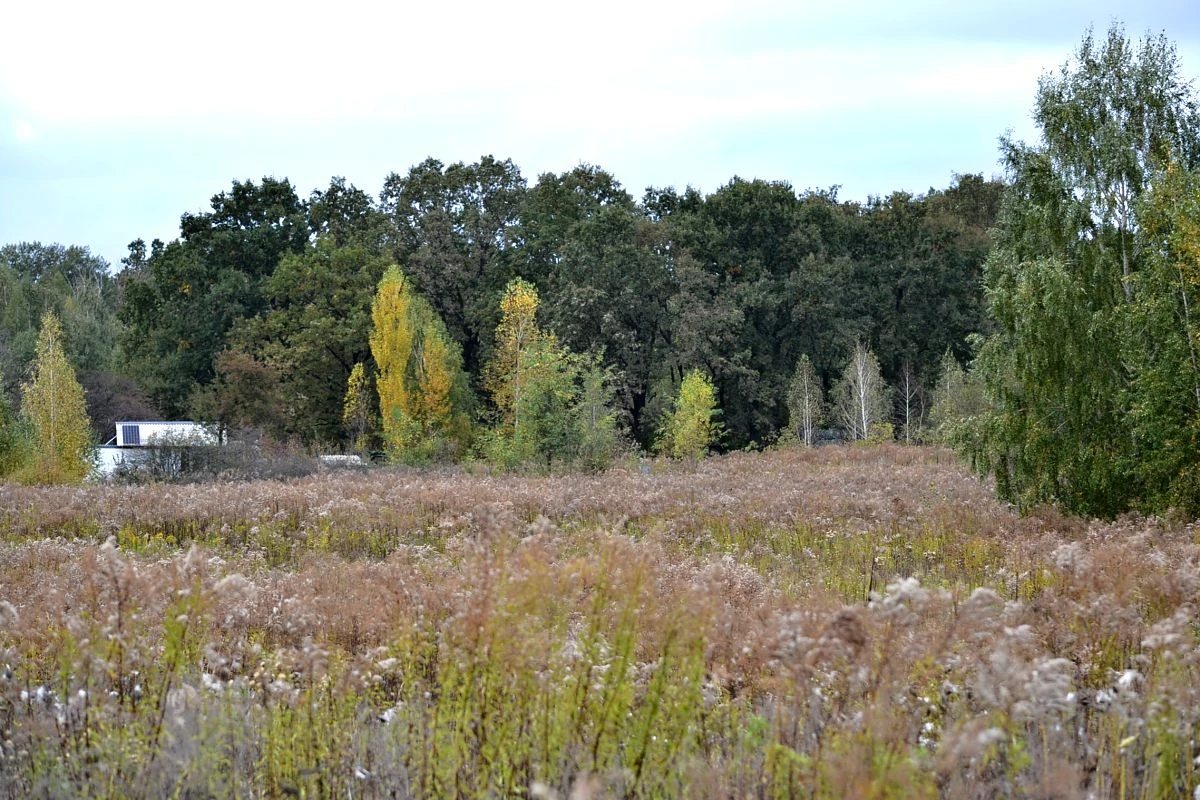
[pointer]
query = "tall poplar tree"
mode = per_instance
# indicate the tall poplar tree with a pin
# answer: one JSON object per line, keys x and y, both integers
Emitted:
{"x": 392, "y": 346}
{"x": 52, "y": 403}
{"x": 423, "y": 394}
{"x": 357, "y": 414}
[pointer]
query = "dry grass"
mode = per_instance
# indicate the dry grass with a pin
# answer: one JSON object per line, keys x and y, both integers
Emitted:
{"x": 847, "y": 622}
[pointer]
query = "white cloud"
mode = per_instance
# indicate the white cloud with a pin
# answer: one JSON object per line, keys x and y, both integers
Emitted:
{"x": 168, "y": 101}
{"x": 24, "y": 132}
{"x": 565, "y": 65}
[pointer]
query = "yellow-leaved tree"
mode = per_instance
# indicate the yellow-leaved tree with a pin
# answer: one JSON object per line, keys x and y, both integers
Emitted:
{"x": 692, "y": 424}
{"x": 391, "y": 344}
{"x": 423, "y": 394}
{"x": 554, "y": 406}
{"x": 435, "y": 382}
{"x": 52, "y": 403}
{"x": 517, "y": 339}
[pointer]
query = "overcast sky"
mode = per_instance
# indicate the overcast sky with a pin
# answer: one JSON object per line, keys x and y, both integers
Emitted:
{"x": 117, "y": 117}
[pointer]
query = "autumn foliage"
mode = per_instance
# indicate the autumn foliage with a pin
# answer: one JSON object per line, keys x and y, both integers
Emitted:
{"x": 421, "y": 386}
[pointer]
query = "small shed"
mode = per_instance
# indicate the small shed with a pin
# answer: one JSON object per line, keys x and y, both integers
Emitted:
{"x": 135, "y": 440}
{"x": 149, "y": 434}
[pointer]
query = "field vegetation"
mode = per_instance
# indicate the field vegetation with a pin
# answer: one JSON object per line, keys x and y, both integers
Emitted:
{"x": 859, "y": 621}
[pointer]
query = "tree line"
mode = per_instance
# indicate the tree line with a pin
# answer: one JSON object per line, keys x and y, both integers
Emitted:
{"x": 1044, "y": 324}
{"x": 260, "y": 312}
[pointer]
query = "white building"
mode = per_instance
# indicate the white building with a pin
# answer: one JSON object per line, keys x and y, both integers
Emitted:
{"x": 136, "y": 438}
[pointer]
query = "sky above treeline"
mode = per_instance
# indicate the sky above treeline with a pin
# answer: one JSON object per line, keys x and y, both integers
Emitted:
{"x": 115, "y": 118}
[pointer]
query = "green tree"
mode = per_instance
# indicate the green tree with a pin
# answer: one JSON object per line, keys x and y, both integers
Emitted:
{"x": 313, "y": 331}
{"x": 52, "y": 403}
{"x": 14, "y": 439}
{"x": 76, "y": 286}
{"x": 544, "y": 430}
{"x": 1162, "y": 344}
{"x": 806, "y": 402}
{"x": 181, "y": 302}
{"x": 553, "y": 405}
{"x": 358, "y": 415}
{"x": 958, "y": 401}
{"x": 1061, "y": 278}
{"x": 598, "y": 438}
{"x": 243, "y": 397}
{"x": 692, "y": 425}
{"x": 346, "y": 215}
{"x": 606, "y": 272}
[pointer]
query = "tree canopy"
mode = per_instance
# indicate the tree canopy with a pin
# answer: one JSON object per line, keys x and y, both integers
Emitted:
{"x": 1085, "y": 295}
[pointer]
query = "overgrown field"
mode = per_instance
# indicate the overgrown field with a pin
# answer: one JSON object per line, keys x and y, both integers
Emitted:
{"x": 847, "y": 622}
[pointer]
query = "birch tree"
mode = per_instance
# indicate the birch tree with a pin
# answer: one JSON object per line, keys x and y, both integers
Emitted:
{"x": 910, "y": 401}
{"x": 958, "y": 399}
{"x": 52, "y": 403}
{"x": 861, "y": 395}
{"x": 692, "y": 424}
{"x": 806, "y": 402}
{"x": 1163, "y": 345}
{"x": 1063, "y": 276}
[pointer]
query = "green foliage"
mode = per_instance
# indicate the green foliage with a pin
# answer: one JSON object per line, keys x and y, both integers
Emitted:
{"x": 244, "y": 395}
{"x": 554, "y": 406}
{"x": 52, "y": 404}
{"x": 73, "y": 283}
{"x": 761, "y": 275}
{"x": 314, "y": 331}
{"x": 358, "y": 414}
{"x": 958, "y": 400}
{"x": 544, "y": 407}
{"x": 1053, "y": 380}
{"x": 182, "y": 301}
{"x": 607, "y": 276}
{"x": 1063, "y": 281}
{"x": 15, "y": 439}
{"x": 740, "y": 282}
{"x": 595, "y": 419}
{"x": 1162, "y": 345}
{"x": 692, "y": 425}
{"x": 806, "y": 402}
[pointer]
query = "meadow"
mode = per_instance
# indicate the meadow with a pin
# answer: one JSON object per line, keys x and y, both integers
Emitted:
{"x": 840, "y": 622}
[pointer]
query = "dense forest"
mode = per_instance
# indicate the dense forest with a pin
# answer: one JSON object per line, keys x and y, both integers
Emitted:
{"x": 1042, "y": 323}
{"x": 258, "y": 312}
